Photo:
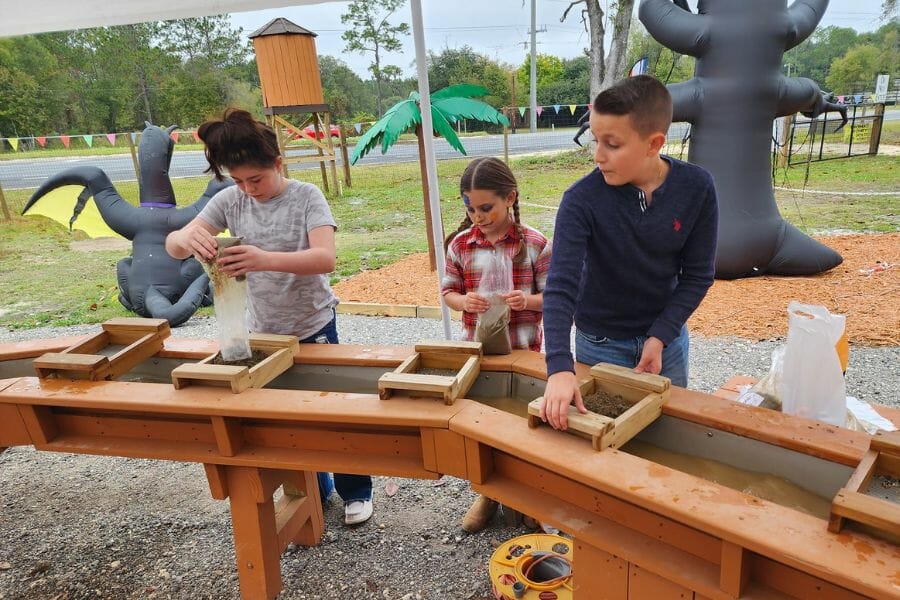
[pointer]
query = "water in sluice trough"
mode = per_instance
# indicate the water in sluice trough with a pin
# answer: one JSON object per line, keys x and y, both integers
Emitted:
{"x": 761, "y": 485}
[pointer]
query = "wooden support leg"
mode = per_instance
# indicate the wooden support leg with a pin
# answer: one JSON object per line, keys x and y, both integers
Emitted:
{"x": 299, "y": 514}
{"x": 255, "y": 536}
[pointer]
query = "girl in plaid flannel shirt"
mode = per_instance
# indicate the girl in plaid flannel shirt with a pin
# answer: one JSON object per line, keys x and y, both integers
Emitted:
{"x": 492, "y": 224}
{"x": 491, "y": 195}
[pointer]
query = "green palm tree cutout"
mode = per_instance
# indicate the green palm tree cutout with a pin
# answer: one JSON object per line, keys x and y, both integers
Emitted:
{"x": 448, "y": 106}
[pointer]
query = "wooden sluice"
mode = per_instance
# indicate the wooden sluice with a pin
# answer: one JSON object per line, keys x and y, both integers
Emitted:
{"x": 640, "y": 529}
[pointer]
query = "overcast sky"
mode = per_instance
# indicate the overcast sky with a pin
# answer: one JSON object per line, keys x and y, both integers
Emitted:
{"x": 496, "y": 28}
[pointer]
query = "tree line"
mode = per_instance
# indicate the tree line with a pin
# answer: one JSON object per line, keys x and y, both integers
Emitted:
{"x": 113, "y": 79}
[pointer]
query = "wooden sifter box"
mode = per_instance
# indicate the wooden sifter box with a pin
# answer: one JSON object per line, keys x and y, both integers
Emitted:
{"x": 638, "y": 397}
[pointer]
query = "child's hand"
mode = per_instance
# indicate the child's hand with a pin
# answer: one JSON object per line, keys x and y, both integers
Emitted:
{"x": 242, "y": 259}
{"x": 651, "y": 357}
{"x": 475, "y": 303}
{"x": 201, "y": 243}
{"x": 561, "y": 389}
{"x": 515, "y": 300}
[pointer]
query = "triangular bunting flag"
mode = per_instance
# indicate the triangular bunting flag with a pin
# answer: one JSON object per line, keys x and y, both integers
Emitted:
{"x": 639, "y": 67}
{"x": 42, "y": 140}
{"x": 196, "y": 135}
{"x": 539, "y": 110}
{"x": 14, "y": 142}
{"x": 89, "y": 140}
{"x": 357, "y": 127}
{"x": 65, "y": 140}
{"x": 556, "y": 108}
{"x": 572, "y": 109}
{"x": 174, "y": 136}
{"x": 521, "y": 111}
{"x": 112, "y": 138}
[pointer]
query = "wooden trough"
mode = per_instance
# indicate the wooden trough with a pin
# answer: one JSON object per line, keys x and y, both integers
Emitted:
{"x": 464, "y": 358}
{"x": 639, "y": 529}
{"x": 646, "y": 393}
{"x": 853, "y": 502}
{"x": 279, "y": 348}
{"x": 141, "y": 338}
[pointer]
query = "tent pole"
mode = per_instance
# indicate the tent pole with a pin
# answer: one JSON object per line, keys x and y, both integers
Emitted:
{"x": 430, "y": 164}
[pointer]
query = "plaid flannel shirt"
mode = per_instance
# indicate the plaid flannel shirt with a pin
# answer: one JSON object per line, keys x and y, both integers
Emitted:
{"x": 467, "y": 254}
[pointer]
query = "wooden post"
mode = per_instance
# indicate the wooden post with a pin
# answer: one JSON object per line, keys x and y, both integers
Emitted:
{"x": 344, "y": 158}
{"x": 3, "y": 205}
{"x": 255, "y": 537}
{"x": 316, "y": 128}
{"x": 331, "y": 162}
{"x": 134, "y": 158}
{"x": 506, "y": 145}
{"x": 272, "y": 120}
{"x": 427, "y": 198}
{"x": 784, "y": 151}
{"x": 875, "y": 136}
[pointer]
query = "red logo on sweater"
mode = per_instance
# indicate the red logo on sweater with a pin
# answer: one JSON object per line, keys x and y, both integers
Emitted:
{"x": 676, "y": 225}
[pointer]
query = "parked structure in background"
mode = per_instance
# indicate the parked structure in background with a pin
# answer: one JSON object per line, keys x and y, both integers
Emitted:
{"x": 291, "y": 85}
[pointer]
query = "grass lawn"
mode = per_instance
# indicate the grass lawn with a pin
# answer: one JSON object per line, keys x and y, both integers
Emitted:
{"x": 44, "y": 282}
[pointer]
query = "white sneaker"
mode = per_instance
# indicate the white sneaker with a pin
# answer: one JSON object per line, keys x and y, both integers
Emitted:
{"x": 357, "y": 511}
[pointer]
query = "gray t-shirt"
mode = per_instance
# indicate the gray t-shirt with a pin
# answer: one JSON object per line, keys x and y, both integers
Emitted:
{"x": 279, "y": 302}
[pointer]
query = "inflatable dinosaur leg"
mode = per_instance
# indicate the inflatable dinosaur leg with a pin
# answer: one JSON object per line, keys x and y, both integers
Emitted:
{"x": 160, "y": 307}
{"x": 798, "y": 254}
{"x": 190, "y": 271}
{"x": 123, "y": 271}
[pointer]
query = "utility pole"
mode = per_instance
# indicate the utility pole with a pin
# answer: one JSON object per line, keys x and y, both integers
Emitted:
{"x": 515, "y": 108}
{"x": 533, "y": 108}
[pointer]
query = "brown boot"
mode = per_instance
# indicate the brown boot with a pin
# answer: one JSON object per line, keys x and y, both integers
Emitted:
{"x": 479, "y": 514}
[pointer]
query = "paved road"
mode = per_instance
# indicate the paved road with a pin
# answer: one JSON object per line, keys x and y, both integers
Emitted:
{"x": 30, "y": 173}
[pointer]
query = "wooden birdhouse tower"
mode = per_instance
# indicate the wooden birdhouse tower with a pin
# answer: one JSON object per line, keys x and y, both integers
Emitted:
{"x": 289, "y": 76}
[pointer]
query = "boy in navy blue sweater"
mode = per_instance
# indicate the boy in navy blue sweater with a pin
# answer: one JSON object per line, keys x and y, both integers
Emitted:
{"x": 633, "y": 251}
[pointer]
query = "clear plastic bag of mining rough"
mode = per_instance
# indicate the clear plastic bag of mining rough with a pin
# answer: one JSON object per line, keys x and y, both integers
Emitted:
{"x": 230, "y": 302}
{"x": 812, "y": 382}
{"x": 492, "y": 328}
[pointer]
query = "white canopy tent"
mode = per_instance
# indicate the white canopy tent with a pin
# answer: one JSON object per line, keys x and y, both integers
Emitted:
{"x": 21, "y": 17}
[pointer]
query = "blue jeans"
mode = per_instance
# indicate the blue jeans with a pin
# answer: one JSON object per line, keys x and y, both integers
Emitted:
{"x": 591, "y": 349}
{"x": 349, "y": 487}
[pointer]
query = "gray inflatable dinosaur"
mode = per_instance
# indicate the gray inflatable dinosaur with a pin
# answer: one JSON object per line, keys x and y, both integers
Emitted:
{"x": 736, "y": 92}
{"x": 151, "y": 283}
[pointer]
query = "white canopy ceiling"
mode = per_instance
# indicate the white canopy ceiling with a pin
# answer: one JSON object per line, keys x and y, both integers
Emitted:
{"x": 21, "y": 17}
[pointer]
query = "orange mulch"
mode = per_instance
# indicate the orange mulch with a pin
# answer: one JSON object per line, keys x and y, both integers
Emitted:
{"x": 865, "y": 287}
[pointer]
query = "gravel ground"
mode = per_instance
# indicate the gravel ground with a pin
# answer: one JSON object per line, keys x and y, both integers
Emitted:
{"x": 74, "y": 527}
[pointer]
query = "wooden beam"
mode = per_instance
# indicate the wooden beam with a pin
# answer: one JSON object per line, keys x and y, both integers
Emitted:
{"x": 255, "y": 536}
{"x": 229, "y": 437}
{"x": 216, "y": 476}
{"x": 40, "y": 423}
{"x": 735, "y": 569}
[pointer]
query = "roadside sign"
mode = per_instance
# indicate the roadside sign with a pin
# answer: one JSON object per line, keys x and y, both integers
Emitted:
{"x": 881, "y": 88}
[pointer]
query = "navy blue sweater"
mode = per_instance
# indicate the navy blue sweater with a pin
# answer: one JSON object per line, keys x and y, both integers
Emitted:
{"x": 622, "y": 269}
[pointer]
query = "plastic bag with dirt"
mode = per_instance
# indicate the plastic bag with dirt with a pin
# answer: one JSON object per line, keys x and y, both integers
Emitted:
{"x": 492, "y": 329}
{"x": 230, "y": 296}
{"x": 812, "y": 381}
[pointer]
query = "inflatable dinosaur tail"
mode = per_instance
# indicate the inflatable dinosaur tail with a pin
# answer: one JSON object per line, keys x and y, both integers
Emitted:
{"x": 115, "y": 210}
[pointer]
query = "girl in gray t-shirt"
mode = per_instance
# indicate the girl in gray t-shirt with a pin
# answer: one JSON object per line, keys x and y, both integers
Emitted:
{"x": 286, "y": 253}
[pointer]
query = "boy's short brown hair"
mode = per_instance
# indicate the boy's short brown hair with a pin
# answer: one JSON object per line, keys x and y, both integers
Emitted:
{"x": 643, "y": 98}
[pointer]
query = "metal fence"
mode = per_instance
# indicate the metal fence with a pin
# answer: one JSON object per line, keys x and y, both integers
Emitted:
{"x": 805, "y": 140}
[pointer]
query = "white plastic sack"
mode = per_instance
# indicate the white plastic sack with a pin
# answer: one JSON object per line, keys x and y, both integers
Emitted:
{"x": 230, "y": 295}
{"x": 812, "y": 384}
